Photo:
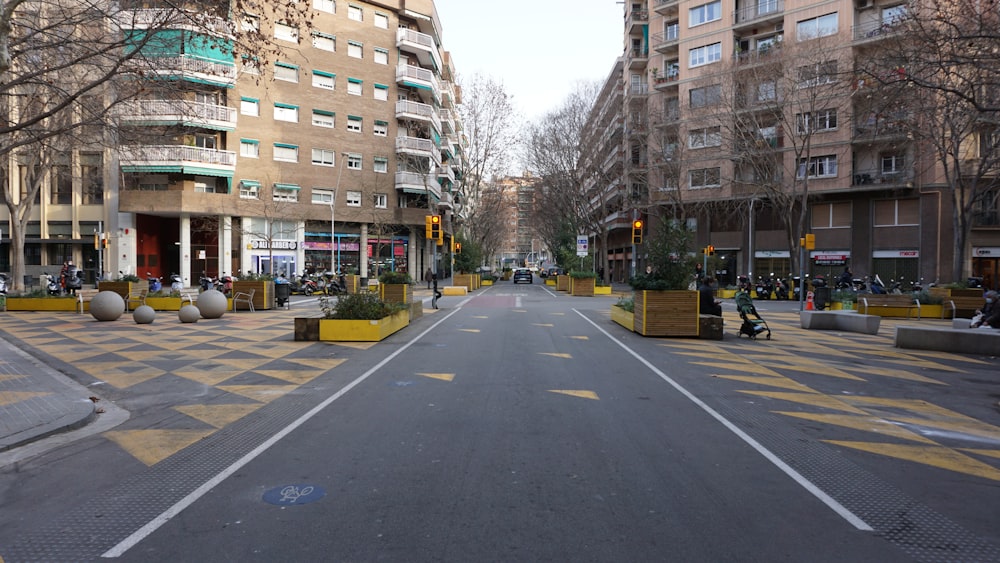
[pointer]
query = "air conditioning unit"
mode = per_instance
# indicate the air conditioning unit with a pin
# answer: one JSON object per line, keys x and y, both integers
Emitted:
{"x": 865, "y": 4}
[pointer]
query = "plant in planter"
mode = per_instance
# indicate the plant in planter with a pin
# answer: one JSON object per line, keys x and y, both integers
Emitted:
{"x": 394, "y": 287}
{"x": 582, "y": 283}
{"x": 664, "y": 306}
{"x": 359, "y": 317}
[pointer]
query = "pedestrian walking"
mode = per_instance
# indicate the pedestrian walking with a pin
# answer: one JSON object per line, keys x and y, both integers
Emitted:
{"x": 437, "y": 294}
{"x": 428, "y": 277}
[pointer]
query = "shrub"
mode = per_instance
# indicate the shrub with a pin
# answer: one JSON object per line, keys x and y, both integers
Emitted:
{"x": 582, "y": 275}
{"x": 358, "y": 307}
{"x": 395, "y": 278}
{"x": 128, "y": 278}
{"x": 627, "y": 303}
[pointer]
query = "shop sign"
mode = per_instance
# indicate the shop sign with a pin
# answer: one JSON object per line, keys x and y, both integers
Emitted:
{"x": 771, "y": 254}
{"x": 325, "y": 246}
{"x": 986, "y": 252}
{"x": 274, "y": 245}
{"x": 830, "y": 259}
{"x": 896, "y": 254}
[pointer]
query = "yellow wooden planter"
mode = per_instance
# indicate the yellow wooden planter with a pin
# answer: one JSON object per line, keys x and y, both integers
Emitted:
{"x": 487, "y": 283}
{"x": 602, "y": 290}
{"x": 666, "y": 313}
{"x": 623, "y": 317}
{"x": 926, "y": 311}
{"x": 167, "y": 303}
{"x": 122, "y": 288}
{"x": 395, "y": 292}
{"x": 263, "y": 297}
{"x": 465, "y": 280}
{"x": 550, "y": 281}
{"x": 342, "y": 330}
{"x": 68, "y": 304}
{"x": 725, "y": 293}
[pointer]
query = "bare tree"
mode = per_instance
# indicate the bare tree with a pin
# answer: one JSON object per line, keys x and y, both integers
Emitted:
{"x": 938, "y": 76}
{"x": 66, "y": 67}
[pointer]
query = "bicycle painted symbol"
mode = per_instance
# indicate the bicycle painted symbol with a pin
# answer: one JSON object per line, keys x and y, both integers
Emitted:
{"x": 291, "y": 495}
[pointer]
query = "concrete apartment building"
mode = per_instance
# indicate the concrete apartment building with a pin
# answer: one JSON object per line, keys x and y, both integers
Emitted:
{"x": 876, "y": 201}
{"x": 355, "y": 131}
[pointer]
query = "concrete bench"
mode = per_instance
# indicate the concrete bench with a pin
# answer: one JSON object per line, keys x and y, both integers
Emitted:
{"x": 847, "y": 321}
{"x": 454, "y": 290}
{"x": 710, "y": 327}
{"x": 888, "y": 301}
{"x": 958, "y": 340}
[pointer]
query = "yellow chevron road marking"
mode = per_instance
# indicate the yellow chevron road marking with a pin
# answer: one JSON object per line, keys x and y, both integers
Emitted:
{"x": 556, "y": 355}
{"x": 935, "y": 456}
{"x": 153, "y": 446}
{"x": 864, "y": 423}
{"x": 119, "y": 375}
{"x": 441, "y": 376}
{"x": 812, "y": 399}
{"x": 262, "y": 393}
{"x": 473, "y": 330}
{"x": 218, "y": 415}
{"x": 577, "y": 393}
{"x": 740, "y": 366}
{"x": 580, "y": 337}
{"x": 296, "y": 376}
{"x": 781, "y": 382}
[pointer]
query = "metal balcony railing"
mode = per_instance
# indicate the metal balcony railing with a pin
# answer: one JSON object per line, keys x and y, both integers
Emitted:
{"x": 175, "y": 154}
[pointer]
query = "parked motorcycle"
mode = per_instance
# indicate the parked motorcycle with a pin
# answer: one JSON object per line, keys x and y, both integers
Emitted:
{"x": 176, "y": 283}
{"x": 781, "y": 289}
{"x": 3, "y": 284}
{"x": 764, "y": 288}
{"x": 73, "y": 280}
{"x": 224, "y": 285}
{"x": 52, "y": 285}
{"x": 206, "y": 282}
{"x": 155, "y": 284}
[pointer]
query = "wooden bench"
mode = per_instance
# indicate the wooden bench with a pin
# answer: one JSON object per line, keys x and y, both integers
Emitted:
{"x": 967, "y": 305}
{"x": 888, "y": 301}
{"x": 84, "y": 296}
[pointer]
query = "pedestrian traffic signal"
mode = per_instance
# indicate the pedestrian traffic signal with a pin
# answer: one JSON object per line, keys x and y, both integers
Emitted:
{"x": 458, "y": 248}
{"x": 637, "y": 231}
{"x": 710, "y": 250}
{"x": 97, "y": 241}
{"x": 435, "y": 229}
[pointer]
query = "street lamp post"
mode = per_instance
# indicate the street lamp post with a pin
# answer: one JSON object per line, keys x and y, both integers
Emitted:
{"x": 333, "y": 216}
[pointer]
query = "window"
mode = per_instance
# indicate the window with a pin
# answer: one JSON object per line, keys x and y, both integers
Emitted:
{"x": 354, "y": 86}
{"x": 816, "y": 27}
{"x": 284, "y": 192}
{"x": 704, "y": 178}
{"x": 823, "y": 120}
{"x": 381, "y": 165}
{"x": 324, "y": 41}
{"x": 249, "y": 189}
{"x": 705, "y": 13}
{"x": 381, "y": 20}
{"x": 355, "y": 49}
{"x": 354, "y": 199}
{"x": 705, "y": 55}
{"x": 818, "y": 167}
{"x": 322, "y": 195}
{"x": 354, "y": 161}
{"x": 895, "y": 212}
{"x": 353, "y": 123}
{"x": 381, "y": 92}
{"x": 286, "y": 112}
{"x": 818, "y": 74}
{"x": 286, "y": 153}
{"x": 835, "y": 215}
{"x": 767, "y": 91}
{"x": 381, "y": 129}
{"x": 329, "y": 6}
{"x": 250, "y": 22}
{"x": 323, "y": 157}
{"x": 355, "y": 13}
{"x": 381, "y": 56}
{"x": 286, "y": 72}
{"x": 250, "y": 106}
{"x": 322, "y": 79}
{"x": 92, "y": 173}
{"x": 250, "y": 148}
{"x": 324, "y": 118}
{"x": 286, "y": 32}
{"x": 706, "y": 96}
{"x": 892, "y": 165}
{"x": 251, "y": 65}
{"x": 62, "y": 184}
{"x": 381, "y": 201}
{"x": 709, "y": 137}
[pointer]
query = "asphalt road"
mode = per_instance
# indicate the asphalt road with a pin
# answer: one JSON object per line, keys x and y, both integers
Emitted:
{"x": 522, "y": 425}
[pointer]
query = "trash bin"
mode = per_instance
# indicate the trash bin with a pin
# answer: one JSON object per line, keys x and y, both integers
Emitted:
{"x": 281, "y": 294}
{"x": 822, "y": 297}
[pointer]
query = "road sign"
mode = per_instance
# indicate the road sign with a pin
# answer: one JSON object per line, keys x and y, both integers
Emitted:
{"x": 582, "y": 244}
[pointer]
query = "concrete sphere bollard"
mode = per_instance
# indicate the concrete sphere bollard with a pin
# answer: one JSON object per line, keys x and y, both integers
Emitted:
{"x": 144, "y": 315}
{"x": 107, "y": 306}
{"x": 212, "y": 304}
{"x": 189, "y": 314}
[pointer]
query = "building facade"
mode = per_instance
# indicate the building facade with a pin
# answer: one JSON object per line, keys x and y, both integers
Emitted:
{"x": 327, "y": 158}
{"x": 697, "y": 129}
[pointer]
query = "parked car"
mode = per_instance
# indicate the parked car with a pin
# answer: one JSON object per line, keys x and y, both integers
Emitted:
{"x": 522, "y": 274}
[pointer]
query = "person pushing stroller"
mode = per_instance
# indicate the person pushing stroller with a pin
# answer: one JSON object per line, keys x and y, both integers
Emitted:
{"x": 753, "y": 325}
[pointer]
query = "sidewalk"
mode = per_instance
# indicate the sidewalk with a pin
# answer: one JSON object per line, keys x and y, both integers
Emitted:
{"x": 37, "y": 401}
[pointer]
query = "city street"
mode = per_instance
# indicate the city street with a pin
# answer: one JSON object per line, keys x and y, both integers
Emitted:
{"x": 514, "y": 424}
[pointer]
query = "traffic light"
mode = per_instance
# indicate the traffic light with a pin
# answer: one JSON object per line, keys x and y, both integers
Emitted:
{"x": 436, "y": 233}
{"x": 710, "y": 250}
{"x": 637, "y": 231}
{"x": 428, "y": 230}
{"x": 458, "y": 248}
{"x": 97, "y": 241}
{"x": 810, "y": 242}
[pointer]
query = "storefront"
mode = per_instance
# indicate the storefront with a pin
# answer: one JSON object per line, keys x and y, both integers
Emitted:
{"x": 387, "y": 254}
{"x": 772, "y": 264}
{"x": 344, "y": 257}
{"x": 829, "y": 263}
{"x": 986, "y": 265}
{"x": 274, "y": 257}
{"x": 896, "y": 265}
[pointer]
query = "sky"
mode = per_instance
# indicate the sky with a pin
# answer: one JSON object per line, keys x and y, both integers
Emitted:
{"x": 538, "y": 49}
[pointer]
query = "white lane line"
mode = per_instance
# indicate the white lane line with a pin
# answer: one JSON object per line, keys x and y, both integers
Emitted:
{"x": 196, "y": 494}
{"x": 844, "y": 513}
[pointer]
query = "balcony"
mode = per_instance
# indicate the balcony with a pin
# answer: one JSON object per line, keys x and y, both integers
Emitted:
{"x": 635, "y": 21}
{"x": 757, "y": 11}
{"x": 178, "y": 112}
{"x": 882, "y": 178}
{"x": 420, "y": 44}
{"x": 177, "y": 158}
{"x": 874, "y": 30}
{"x": 447, "y": 121}
{"x": 172, "y": 201}
{"x": 662, "y": 82}
{"x": 417, "y": 111}
{"x": 421, "y": 148}
{"x": 445, "y": 172}
{"x": 419, "y": 78}
{"x": 880, "y": 131}
{"x": 418, "y": 183}
{"x": 185, "y": 67}
{"x": 170, "y": 18}
{"x": 665, "y": 42}
{"x": 637, "y": 59}
{"x": 447, "y": 201}
{"x": 666, "y": 7}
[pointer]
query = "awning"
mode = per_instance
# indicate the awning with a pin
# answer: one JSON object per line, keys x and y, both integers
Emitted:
{"x": 250, "y": 183}
{"x": 294, "y": 187}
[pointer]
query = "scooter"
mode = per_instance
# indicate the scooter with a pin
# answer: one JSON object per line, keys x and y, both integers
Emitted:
{"x": 52, "y": 285}
{"x": 224, "y": 285}
{"x": 764, "y": 288}
{"x": 73, "y": 282}
{"x": 335, "y": 286}
{"x": 3, "y": 284}
{"x": 176, "y": 283}
{"x": 155, "y": 284}
{"x": 206, "y": 283}
{"x": 781, "y": 290}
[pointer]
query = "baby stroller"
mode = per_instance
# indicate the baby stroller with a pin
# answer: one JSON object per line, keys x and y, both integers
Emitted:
{"x": 752, "y": 327}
